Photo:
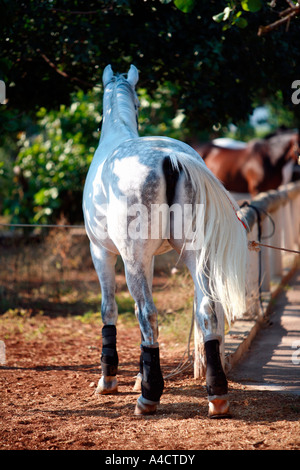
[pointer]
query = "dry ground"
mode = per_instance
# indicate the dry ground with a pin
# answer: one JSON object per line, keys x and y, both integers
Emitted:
{"x": 47, "y": 391}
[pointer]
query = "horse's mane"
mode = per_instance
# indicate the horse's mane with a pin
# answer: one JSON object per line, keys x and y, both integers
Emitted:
{"x": 275, "y": 144}
{"x": 279, "y": 144}
{"x": 126, "y": 100}
{"x": 281, "y": 130}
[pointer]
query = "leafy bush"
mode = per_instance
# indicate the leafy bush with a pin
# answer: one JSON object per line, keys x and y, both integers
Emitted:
{"x": 51, "y": 165}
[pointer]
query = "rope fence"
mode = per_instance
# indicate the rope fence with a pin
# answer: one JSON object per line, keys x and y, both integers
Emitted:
{"x": 40, "y": 225}
{"x": 47, "y": 271}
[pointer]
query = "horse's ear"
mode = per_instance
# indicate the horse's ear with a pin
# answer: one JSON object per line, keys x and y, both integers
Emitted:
{"x": 133, "y": 75}
{"x": 107, "y": 75}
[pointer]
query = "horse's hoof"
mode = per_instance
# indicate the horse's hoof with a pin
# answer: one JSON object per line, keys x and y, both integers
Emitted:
{"x": 107, "y": 386}
{"x": 218, "y": 409}
{"x": 138, "y": 383}
{"x": 144, "y": 409}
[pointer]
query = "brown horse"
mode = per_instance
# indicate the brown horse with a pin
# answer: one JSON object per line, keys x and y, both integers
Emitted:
{"x": 260, "y": 165}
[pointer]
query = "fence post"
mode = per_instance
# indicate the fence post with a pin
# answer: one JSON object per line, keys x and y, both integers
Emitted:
{"x": 288, "y": 227}
{"x": 295, "y": 211}
{"x": 252, "y": 280}
{"x": 265, "y": 257}
{"x": 276, "y": 240}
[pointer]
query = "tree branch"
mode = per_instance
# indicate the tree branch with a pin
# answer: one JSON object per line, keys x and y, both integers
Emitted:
{"x": 286, "y": 17}
{"x": 64, "y": 74}
{"x": 77, "y": 12}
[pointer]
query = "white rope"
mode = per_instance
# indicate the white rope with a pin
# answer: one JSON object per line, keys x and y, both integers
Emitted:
{"x": 184, "y": 365}
{"x": 40, "y": 225}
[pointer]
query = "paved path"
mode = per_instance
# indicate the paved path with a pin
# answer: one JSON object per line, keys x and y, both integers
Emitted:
{"x": 273, "y": 360}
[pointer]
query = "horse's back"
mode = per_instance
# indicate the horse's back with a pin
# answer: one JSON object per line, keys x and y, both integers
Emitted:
{"x": 150, "y": 150}
{"x": 137, "y": 167}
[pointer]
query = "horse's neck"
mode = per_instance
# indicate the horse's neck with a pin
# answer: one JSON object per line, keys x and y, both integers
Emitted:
{"x": 278, "y": 149}
{"x": 106, "y": 147}
{"x": 109, "y": 141}
{"x": 114, "y": 131}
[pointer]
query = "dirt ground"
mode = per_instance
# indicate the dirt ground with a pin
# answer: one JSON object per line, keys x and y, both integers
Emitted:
{"x": 48, "y": 402}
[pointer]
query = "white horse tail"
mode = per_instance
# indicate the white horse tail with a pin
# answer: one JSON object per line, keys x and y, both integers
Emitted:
{"x": 223, "y": 254}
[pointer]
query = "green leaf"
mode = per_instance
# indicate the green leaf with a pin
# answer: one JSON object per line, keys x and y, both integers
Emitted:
{"x": 223, "y": 16}
{"x": 251, "y": 5}
{"x": 184, "y": 5}
{"x": 241, "y": 22}
{"x": 40, "y": 197}
{"x": 219, "y": 17}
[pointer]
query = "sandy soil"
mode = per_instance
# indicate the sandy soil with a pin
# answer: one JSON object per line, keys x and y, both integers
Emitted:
{"x": 48, "y": 403}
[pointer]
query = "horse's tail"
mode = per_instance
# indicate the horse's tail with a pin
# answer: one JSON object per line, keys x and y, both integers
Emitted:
{"x": 223, "y": 253}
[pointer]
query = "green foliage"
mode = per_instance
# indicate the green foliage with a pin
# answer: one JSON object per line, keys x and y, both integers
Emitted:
{"x": 251, "y": 5}
{"x": 49, "y": 49}
{"x": 185, "y": 5}
{"x": 279, "y": 114}
{"x": 196, "y": 75}
{"x": 6, "y": 174}
{"x": 51, "y": 165}
{"x": 157, "y": 114}
{"x": 233, "y": 13}
{"x": 48, "y": 176}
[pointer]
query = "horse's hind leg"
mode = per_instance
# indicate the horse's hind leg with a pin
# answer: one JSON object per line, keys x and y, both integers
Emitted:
{"x": 206, "y": 320}
{"x": 138, "y": 383}
{"x": 104, "y": 262}
{"x": 216, "y": 382}
{"x": 139, "y": 283}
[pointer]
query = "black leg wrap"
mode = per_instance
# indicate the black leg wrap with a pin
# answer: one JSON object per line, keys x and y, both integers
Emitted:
{"x": 141, "y": 363}
{"x": 109, "y": 357}
{"x": 216, "y": 382}
{"x": 152, "y": 382}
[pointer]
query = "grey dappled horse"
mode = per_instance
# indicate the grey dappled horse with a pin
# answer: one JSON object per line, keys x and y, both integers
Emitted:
{"x": 131, "y": 182}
